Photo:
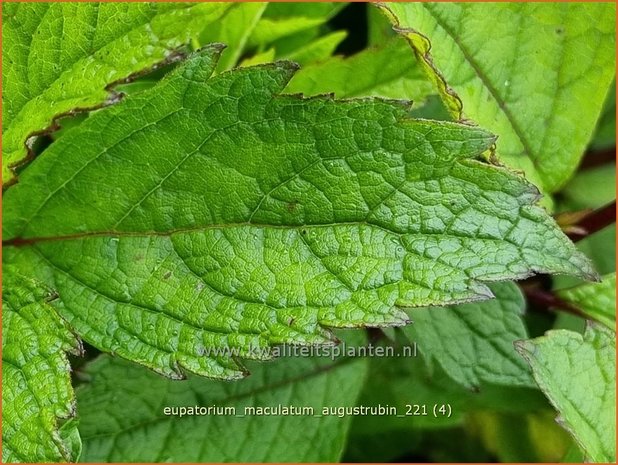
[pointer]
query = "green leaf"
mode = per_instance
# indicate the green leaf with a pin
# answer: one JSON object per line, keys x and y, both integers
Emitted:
{"x": 590, "y": 188}
{"x": 473, "y": 342}
{"x": 61, "y": 57}
{"x": 403, "y": 382}
{"x": 234, "y": 30}
{"x": 605, "y": 134}
{"x": 530, "y": 438}
{"x": 578, "y": 375}
{"x": 387, "y": 71}
{"x": 122, "y": 417}
{"x": 317, "y": 50}
{"x": 597, "y": 301}
{"x": 36, "y": 381}
{"x": 269, "y": 30}
{"x": 212, "y": 213}
{"x": 290, "y": 27}
{"x": 542, "y": 74}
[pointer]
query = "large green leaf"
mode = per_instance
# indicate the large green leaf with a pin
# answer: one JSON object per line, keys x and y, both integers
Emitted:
{"x": 474, "y": 342}
{"x": 597, "y": 301}
{"x": 122, "y": 416}
{"x": 211, "y": 213}
{"x": 36, "y": 381}
{"x": 541, "y": 75}
{"x": 60, "y": 57}
{"x": 578, "y": 374}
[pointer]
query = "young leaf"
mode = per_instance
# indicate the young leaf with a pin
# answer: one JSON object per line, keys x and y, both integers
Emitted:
{"x": 388, "y": 71}
{"x": 36, "y": 381}
{"x": 60, "y": 57}
{"x": 212, "y": 213}
{"x": 290, "y": 27}
{"x": 597, "y": 301}
{"x": 578, "y": 375}
{"x": 317, "y": 50}
{"x": 474, "y": 342}
{"x": 543, "y": 73}
{"x": 234, "y": 29}
{"x": 122, "y": 417}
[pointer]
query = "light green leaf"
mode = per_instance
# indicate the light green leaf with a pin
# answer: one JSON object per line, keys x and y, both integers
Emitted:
{"x": 597, "y": 301}
{"x": 60, "y": 57}
{"x": 591, "y": 188}
{"x": 379, "y": 28}
{"x": 261, "y": 58}
{"x": 578, "y": 375}
{"x": 317, "y": 50}
{"x": 36, "y": 381}
{"x": 473, "y": 342}
{"x": 515, "y": 438}
{"x": 605, "y": 134}
{"x": 542, "y": 74}
{"x": 265, "y": 218}
{"x": 322, "y": 10}
{"x": 233, "y": 30}
{"x": 387, "y": 71}
{"x": 269, "y": 30}
{"x": 289, "y": 27}
{"x": 122, "y": 417}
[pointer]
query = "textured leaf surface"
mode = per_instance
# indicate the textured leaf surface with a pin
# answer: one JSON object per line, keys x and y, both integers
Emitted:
{"x": 264, "y": 218}
{"x": 542, "y": 74}
{"x": 597, "y": 301}
{"x": 58, "y": 57}
{"x": 122, "y": 417}
{"x": 36, "y": 382}
{"x": 474, "y": 342}
{"x": 578, "y": 374}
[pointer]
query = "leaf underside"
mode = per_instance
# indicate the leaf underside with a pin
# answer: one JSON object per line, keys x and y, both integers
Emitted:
{"x": 215, "y": 213}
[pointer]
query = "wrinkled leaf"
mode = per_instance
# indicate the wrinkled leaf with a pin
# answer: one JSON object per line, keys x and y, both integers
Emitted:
{"x": 578, "y": 375}
{"x": 474, "y": 342}
{"x": 265, "y": 219}
{"x": 597, "y": 301}
{"x": 542, "y": 74}
{"x": 36, "y": 382}
{"x": 59, "y": 57}
{"x": 122, "y": 417}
